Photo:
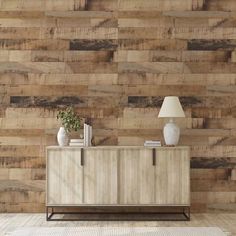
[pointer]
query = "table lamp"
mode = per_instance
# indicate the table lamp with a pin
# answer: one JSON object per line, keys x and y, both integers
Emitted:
{"x": 171, "y": 108}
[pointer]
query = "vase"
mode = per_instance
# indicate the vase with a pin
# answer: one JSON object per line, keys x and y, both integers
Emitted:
{"x": 171, "y": 133}
{"x": 62, "y": 137}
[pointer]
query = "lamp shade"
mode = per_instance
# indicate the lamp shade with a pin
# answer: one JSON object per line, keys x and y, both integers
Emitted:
{"x": 171, "y": 108}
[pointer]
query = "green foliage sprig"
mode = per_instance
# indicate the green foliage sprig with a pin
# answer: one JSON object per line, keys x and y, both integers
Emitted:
{"x": 69, "y": 119}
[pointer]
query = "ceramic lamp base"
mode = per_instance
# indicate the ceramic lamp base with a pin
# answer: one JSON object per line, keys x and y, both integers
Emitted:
{"x": 171, "y": 134}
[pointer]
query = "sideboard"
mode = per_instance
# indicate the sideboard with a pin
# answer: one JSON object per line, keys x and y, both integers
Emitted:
{"x": 117, "y": 176}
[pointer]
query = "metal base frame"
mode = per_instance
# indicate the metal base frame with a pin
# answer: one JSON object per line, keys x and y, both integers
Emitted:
{"x": 49, "y": 215}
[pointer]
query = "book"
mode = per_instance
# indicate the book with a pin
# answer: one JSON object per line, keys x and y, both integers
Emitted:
{"x": 77, "y": 140}
{"x": 152, "y": 143}
{"x": 76, "y": 144}
{"x": 87, "y": 135}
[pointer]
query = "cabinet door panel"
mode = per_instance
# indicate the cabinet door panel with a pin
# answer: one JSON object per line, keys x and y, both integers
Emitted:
{"x": 172, "y": 177}
{"x": 136, "y": 176}
{"x": 64, "y": 177}
{"x": 100, "y": 176}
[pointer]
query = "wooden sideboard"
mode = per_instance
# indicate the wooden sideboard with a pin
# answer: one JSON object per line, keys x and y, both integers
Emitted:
{"x": 118, "y": 176}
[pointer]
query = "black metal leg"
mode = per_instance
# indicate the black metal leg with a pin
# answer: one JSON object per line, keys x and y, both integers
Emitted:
{"x": 187, "y": 214}
{"x": 50, "y": 214}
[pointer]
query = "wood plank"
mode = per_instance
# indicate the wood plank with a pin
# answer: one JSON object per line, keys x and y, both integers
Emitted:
{"x": 51, "y": 113}
{"x": 204, "y": 44}
{"x": 22, "y": 162}
{"x": 76, "y": 33}
{"x": 171, "y": 56}
{"x": 94, "y": 14}
{"x": 151, "y": 67}
{"x": 162, "y": 90}
{"x": 96, "y": 5}
{"x": 212, "y": 163}
{"x": 193, "y": 101}
{"x": 220, "y": 5}
{"x": 47, "y": 90}
{"x": 17, "y": 207}
{"x": 58, "y": 67}
{"x": 159, "y": 5}
{"x": 50, "y": 102}
{"x": 204, "y": 33}
{"x": 213, "y": 197}
{"x": 213, "y": 186}
{"x": 198, "y": 13}
{"x": 57, "y": 79}
{"x": 152, "y": 44}
{"x": 34, "y": 44}
{"x": 147, "y": 22}
{"x": 18, "y": 151}
{"x": 34, "y": 67}
{"x": 58, "y": 5}
{"x": 175, "y": 79}
{"x": 214, "y": 151}
{"x": 27, "y": 22}
{"x": 209, "y": 174}
{"x": 93, "y": 44}
{"x": 21, "y": 14}
{"x": 145, "y": 33}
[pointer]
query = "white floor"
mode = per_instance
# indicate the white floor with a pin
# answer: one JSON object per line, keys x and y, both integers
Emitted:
{"x": 9, "y": 222}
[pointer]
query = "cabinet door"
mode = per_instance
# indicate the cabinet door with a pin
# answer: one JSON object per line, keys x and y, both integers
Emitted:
{"x": 172, "y": 177}
{"x": 64, "y": 177}
{"x": 136, "y": 176}
{"x": 100, "y": 176}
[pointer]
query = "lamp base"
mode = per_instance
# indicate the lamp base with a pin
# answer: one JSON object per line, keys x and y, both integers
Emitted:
{"x": 171, "y": 133}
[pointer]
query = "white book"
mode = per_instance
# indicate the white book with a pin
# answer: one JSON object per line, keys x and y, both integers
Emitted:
{"x": 76, "y": 144}
{"x": 152, "y": 145}
{"x": 152, "y": 141}
{"x": 77, "y": 140}
{"x": 87, "y": 135}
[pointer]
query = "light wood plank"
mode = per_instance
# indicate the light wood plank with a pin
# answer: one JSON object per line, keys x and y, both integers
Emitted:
{"x": 64, "y": 177}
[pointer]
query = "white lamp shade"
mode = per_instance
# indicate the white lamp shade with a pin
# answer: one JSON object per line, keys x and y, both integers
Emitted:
{"x": 171, "y": 108}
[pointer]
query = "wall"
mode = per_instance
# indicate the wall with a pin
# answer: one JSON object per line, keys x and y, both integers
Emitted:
{"x": 115, "y": 60}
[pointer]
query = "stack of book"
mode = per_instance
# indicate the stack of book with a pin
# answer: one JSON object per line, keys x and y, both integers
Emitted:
{"x": 77, "y": 142}
{"x": 87, "y": 135}
{"x": 152, "y": 143}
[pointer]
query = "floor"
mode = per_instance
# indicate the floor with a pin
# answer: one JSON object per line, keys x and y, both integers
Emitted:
{"x": 8, "y": 222}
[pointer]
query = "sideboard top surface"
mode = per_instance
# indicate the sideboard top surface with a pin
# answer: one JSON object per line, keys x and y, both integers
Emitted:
{"x": 118, "y": 147}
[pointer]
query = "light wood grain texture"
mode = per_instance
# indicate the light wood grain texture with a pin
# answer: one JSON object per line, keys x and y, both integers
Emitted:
{"x": 100, "y": 176}
{"x": 172, "y": 181}
{"x": 64, "y": 177}
{"x": 118, "y": 175}
{"x": 136, "y": 176}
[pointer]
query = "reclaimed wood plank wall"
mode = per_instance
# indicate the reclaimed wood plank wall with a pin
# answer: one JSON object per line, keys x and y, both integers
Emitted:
{"x": 115, "y": 60}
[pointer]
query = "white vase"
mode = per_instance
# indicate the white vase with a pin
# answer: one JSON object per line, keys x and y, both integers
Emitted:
{"x": 171, "y": 133}
{"x": 62, "y": 137}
